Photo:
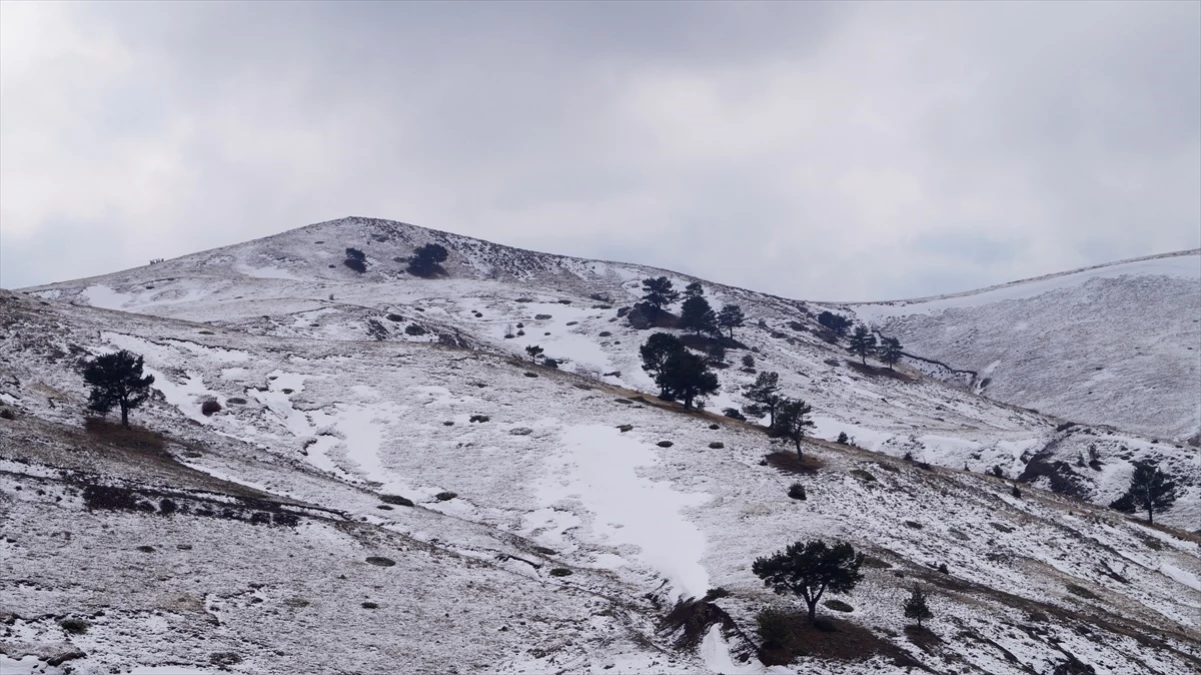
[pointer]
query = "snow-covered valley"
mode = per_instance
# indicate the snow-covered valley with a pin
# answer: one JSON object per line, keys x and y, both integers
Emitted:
{"x": 558, "y": 515}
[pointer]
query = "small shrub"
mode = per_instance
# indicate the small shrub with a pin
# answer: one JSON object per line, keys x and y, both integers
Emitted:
{"x": 863, "y": 475}
{"x": 75, "y": 626}
{"x": 1081, "y": 592}
{"x": 209, "y": 407}
{"x": 942, "y": 567}
{"x": 370, "y": 605}
{"x": 542, "y": 317}
{"x": 842, "y": 437}
{"x": 396, "y": 499}
{"x": 625, "y": 427}
{"x": 448, "y": 423}
{"x": 774, "y": 627}
{"x": 605, "y": 333}
{"x": 480, "y": 418}
{"x": 225, "y": 658}
{"x": 395, "y": 318}
{"x": 838, "y": 606}
{"x": 414, "y": 329}
{"x": 550, "y": 363}
{"x": 913, "y": 524}
{"x": 715, "y": 594}
{"x": 531, "y": 374}
{"x": 236, "y": 400}
{"x": 714, "y": 427}
{"x": 1017, "y": 493}
{"x": 445, "y": 496}
{"x": 797, "y": 491}
{"x": 380, "y": 561}
{"x": 665, "y": 444}
{"x": 560, "y": 572}
{"x": 997, "y": 471}
{"x": 908, "y": 456}
{"x": 734, "y": 414}
{"x": 717, "y": 445}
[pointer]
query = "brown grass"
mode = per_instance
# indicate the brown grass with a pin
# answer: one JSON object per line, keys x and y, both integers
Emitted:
{"x": 847, "y": 642}
{"x": 787, "y": 462}
{"x": 873, "y": 371}
{"x": 133, "y": 438}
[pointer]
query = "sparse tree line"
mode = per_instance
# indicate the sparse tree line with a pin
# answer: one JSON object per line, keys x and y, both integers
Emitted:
{"x": 426, "y": 260}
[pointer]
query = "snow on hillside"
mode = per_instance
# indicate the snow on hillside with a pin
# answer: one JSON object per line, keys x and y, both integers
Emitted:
{"x": 544, "y": 480}
{"x": 337, "y": 387}
{"x": 1115, "y": 344}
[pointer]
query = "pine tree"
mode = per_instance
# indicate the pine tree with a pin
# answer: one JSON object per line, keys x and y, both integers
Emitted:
{"x": 1150, "y": 489}
{"x": 863, "y": 343}
{"x": 427, "y": 260}
{"x": 731, "y": 317}
{"x": 764, "y": 395}
{"x": 809, "y": 569}
{"x": 916, "y": 607}
{"x": 655, "y": 353}
{"x": 686, "y": 377}
{"x": 791, "y": 422}
{"x": 694, "y": 290}
{"x": 117, "y": 381}
{"x": 836, "y": 323}
{"x": 659, "y": 293}
{"x": 697, "y": 316}
{"x": 890, "y": 351}
{"x": 534, "y": 351}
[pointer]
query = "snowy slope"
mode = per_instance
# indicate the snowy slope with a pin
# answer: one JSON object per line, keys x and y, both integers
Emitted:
{"x": 1115, "y": 344}
{"x": 320, "y": 429}
{"x": 332, "y": 395}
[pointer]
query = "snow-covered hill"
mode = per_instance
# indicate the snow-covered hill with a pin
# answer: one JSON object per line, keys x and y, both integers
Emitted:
{"x": 1116, "y": 344}
{"x": 582, "y": 508}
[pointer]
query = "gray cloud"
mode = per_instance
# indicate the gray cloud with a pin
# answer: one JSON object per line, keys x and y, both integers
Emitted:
{"x": 826, "y": 151}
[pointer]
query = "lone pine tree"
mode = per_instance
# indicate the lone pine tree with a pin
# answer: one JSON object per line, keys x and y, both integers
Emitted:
{"x": 792, "y": 418}
{"x": 916, "y": 606}
{"x": 686, "y": 377}
{"x": 1150, "y": 490}
{"x": 117, "y": 381}
{"x": 809, "y": 569}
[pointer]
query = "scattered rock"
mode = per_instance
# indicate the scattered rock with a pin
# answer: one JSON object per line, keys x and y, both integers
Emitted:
{"x": 380, "y": 561}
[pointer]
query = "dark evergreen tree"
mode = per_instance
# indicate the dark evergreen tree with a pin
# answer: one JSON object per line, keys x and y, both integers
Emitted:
{"x": 764, "y": 395}
{"x": 916, "y": 607}
{"x": 697, "y": 316}
{"x": 792, "y": 418}
{"x": 659, "y": 293}
{"x": 694, "y": 290}
{"x": 1150, "y": 490}
{"x": 836, "y": 323}
{"x": 427, "y": 260}
{"x": 655, "y": 352}
{"x": 117, "y": 381}
{"x": 686, "y": 377}
{"x": 355, "y": 260}
{"x": 534, "y": 351}
{"x": 731, "y": 317}
{"x": 748, "y": 361}
{"x": 863, "y": 343}
{"x": 717, "y": 353}
{"x": 809, "y": 569}
{"x": 890, "y": 351}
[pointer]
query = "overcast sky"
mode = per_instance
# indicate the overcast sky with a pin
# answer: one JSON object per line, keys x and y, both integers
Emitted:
{"x": 822, "y": 151}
